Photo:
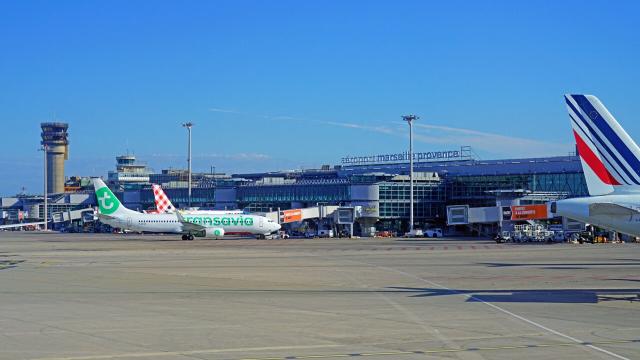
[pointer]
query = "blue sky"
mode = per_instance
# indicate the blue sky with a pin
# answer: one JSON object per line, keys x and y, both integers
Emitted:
{"x": 287, "y": 84}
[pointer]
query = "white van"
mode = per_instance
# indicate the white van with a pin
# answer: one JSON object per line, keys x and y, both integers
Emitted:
{"x": 433, "y": 233}
{"x": 325, "y": 233}
{"x": 414, "y": 233}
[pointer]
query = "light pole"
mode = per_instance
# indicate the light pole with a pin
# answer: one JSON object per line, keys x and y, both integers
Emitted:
{"x": 44, "y": 150}
{"x": 189, "y": 125}
{"x": 409, "y": 119}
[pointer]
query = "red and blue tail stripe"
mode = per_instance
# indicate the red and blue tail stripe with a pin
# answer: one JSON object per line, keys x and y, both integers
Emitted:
{"x": 594, "y": 163}
{"x": 602, "y": 143}
{"x": 591, "y": 139}
{"x": 603, "y": 124}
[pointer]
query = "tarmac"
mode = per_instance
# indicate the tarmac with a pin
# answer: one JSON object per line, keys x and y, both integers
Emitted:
{"x": 103, "y": 296}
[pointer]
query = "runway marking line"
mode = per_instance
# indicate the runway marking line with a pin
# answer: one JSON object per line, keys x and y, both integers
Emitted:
{"x": 505, "y": 311}
{"x": 444, "y": 350}
{"x": 344, "y": 355}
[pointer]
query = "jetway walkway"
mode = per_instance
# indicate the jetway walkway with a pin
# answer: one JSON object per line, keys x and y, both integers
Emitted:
{"x": 85, "y": 215}
{"x": 295, "y": 215}
{"x": 337, "y": 216}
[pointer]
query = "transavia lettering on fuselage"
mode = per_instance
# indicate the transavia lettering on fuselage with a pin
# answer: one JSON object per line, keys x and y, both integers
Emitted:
{"x": 220, "y": 220}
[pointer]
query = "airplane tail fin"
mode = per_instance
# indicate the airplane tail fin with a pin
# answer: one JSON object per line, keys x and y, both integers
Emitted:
{"x": 610, "y": 158}
{"x": 163, "y": 204}
{"x": 108, "y": 203}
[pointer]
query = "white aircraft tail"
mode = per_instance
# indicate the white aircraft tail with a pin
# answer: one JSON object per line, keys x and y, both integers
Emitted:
{"x": 163, "y": 204}
{"x": 108, "y": 203}
{"x": 610, "y": 158}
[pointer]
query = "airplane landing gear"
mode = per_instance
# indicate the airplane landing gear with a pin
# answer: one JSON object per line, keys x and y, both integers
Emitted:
{"x": 184, "y": 237}
{"x": 187, "y": 237}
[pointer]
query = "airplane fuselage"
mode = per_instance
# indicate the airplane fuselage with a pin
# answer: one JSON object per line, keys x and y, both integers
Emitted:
{"x": 580, "y": 209}
{"x": 169, "y": 223}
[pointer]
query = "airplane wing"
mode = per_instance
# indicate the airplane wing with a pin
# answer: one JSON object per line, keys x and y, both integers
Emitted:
{"x": 20, "y": 225}
{"x": 189, "y": 226}
{"x": 611, "y": 209}
{"x": 103, "y": 216}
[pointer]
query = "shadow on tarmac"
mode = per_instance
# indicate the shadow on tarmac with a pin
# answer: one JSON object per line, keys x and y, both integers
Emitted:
{"x": 565, "y": 266}
{"x": 9, "y": 264}
{"x": 551, "y": 296}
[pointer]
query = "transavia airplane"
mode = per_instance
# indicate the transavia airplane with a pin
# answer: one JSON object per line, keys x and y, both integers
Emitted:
{"x": 611, "y": 164}
{"x": 112, "y": 212}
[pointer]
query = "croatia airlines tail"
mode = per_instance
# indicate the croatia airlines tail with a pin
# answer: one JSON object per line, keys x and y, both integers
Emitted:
{"x": 611, "y": 164}
{"x": 163, "y": 204}
{"x": 610, "y": 158}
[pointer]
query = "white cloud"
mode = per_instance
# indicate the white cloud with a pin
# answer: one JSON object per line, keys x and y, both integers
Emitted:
{"x": 490, "y": 142}
{"x": 378, "y": 129}
{"x": 485, "y": 142}
{"x": 231, "y": 156}
{"x": 219, "y": 110}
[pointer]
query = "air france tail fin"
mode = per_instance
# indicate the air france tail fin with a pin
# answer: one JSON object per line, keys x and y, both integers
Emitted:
{"x": 610, "y": 158}
{"x": 163, "y": 204}
{"x": 108, "y": 203}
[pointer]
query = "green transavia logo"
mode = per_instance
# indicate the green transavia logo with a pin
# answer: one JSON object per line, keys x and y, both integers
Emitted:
{"x": 107, "y": 202}
{"x": 209, "y": 221}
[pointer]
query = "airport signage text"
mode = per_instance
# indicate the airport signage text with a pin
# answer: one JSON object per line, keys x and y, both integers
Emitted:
{"x": 217, "y": 220}
{"x": 293, "y": 215}
{"x": 525, "y": 212}
{"x": 404, "y": 156}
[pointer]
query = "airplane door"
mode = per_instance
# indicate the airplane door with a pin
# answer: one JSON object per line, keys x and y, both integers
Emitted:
{"x": 261, "y": 222}
{"x": 129, "y": 222}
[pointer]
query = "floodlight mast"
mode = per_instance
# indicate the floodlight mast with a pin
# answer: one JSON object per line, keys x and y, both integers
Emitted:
{"x": 410, "y": 119}
{"x": 189, "y": 125}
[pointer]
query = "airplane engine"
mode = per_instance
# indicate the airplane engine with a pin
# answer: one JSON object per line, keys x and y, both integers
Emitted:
{"x": 215, "y": 233}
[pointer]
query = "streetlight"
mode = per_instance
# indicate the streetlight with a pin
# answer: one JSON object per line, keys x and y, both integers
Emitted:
{"x": 409, "y": 119}
{"x": 44, "y": 150}
{"x": 188, "y": 126}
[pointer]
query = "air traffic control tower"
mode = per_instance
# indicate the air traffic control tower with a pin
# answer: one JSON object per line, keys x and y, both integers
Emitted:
{"x": 55, "y": 138}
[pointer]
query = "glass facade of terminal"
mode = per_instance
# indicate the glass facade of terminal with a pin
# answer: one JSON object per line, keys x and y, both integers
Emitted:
{"x": 476, "y": 190}
{"x": 271, "y": 197}
{"x": 429, "y": 200}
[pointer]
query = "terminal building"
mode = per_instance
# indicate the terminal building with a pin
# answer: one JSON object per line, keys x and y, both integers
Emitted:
{"x": 377, "y": 186}
{"x": 380, "y": 190}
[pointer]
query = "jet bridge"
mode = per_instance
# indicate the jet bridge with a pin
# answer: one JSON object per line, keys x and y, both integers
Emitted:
{"x": 337, "y": 215}
{"x": 295, "y": 215}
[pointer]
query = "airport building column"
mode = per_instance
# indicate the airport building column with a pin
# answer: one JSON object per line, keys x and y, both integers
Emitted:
{"x": 367, "y": 226}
